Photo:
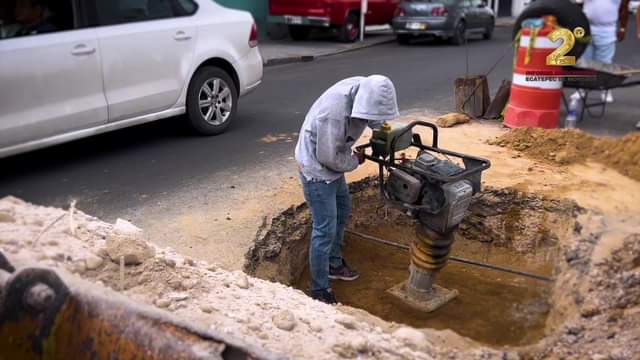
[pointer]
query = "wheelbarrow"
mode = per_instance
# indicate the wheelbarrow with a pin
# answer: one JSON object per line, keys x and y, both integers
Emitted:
{"x": 589, "y": 76}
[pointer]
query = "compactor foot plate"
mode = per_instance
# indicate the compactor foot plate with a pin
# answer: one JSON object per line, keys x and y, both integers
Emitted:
{"x": 431, "y": 302}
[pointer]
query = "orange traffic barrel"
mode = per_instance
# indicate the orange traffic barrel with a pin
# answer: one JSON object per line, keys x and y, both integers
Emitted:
{"x": 536, "y": 89}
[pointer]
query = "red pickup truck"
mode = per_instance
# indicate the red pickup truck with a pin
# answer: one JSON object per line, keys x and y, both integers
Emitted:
{"x": 344, "y": 15}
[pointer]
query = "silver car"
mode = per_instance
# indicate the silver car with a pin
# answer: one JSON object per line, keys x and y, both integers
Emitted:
{"x": 446, "y": 19}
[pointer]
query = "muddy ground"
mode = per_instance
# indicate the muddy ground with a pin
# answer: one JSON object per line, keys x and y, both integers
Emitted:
{"x": 576, "y": 223}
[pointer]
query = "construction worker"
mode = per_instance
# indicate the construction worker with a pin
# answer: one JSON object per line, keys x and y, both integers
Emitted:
{"x": 324, "y": 153}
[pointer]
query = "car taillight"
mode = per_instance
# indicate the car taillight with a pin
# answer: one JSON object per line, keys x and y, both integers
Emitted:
{"x": 399, "y": 12}
{"x": 253, "y": 38}
{"x": 439, "y": 11}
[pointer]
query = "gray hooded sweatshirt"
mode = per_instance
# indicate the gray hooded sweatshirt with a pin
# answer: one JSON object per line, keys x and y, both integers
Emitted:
{"x": 337, "y": 119}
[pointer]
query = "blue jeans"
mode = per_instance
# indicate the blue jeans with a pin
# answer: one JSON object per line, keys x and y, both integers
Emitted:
{"x": 330, "y": 206}
{"x": 602, "y": 47}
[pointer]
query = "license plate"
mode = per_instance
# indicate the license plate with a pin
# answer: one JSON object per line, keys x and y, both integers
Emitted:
{"x": 295, "y": 20}
{"x": 416, "y": 26}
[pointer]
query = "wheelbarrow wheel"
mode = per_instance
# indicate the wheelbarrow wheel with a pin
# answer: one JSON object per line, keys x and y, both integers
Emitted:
{"x": 568, "y": 15}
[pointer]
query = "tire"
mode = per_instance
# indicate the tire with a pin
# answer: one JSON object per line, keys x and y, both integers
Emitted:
{"x": 350, "y": 30}
{"x": 403, "y": 39}
{"x": 299, "y": 33}
{"x": 223, "y": 104}
{"x": 459, "y": 34}
{"x": 568, "y": 15}
{"x": 488, "y": 32}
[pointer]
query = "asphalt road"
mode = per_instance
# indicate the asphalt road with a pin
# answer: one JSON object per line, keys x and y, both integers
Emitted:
{"x": 111, "y": 173}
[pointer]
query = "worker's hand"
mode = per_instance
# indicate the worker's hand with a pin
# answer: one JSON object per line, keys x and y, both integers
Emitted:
{"x": 360, "y": 155}
{"x": 621, "y": 33}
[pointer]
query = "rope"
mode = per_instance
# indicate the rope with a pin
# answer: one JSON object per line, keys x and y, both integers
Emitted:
{"x": 455, "y": 258}
{"x": 532, "y": 44}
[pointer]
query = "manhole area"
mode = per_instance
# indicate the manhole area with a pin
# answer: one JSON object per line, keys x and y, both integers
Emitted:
{"x": 504, "y": 227}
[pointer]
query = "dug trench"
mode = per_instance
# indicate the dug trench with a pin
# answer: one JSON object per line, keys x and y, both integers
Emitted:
{"x": 504, "y": 227}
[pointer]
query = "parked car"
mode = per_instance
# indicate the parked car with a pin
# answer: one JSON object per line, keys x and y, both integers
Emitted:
{"x": 302, "y": 16}
{"x": 96, "y": 66}
{"x": 633, "y": 6}
{"x": 446, "y": 19}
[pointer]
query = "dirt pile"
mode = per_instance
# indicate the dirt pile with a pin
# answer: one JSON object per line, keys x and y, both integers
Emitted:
{"x": 270, "y": 315}
{"x": 596, "y": 298}
{"x": 518, "y": 220}
{"x": 563, "y": 146}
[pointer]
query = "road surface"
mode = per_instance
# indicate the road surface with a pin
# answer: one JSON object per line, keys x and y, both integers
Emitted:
{"x": 114, "y": 173}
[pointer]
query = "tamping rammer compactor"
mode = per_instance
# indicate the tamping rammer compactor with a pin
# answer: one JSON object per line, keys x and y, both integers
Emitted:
{"x": 436, "y": 187}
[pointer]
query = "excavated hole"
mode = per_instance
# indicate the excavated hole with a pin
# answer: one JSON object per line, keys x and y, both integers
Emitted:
{"x": 504, "y": 227}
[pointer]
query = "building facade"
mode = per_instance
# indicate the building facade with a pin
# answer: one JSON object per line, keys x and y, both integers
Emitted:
{"x": 509, "y": 8}
{"x": 258, "y": 8}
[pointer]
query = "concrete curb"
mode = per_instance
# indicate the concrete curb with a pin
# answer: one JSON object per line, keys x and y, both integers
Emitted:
{"x": 308, "y": 58}
{"x": 505, "y": 22}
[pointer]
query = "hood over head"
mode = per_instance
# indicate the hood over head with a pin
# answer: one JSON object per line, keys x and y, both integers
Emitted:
{"x": 375, "y": 101}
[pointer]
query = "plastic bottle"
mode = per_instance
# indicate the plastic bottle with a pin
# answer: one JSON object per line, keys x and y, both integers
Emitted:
{"x": 572, "y": 114}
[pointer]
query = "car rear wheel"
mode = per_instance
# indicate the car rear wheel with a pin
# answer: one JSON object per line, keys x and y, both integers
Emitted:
{"x": 212, "y": 101}
{"x": 459, "y": 34}
{"x": 299, "y": 32}
{"x": 350, "y": 30}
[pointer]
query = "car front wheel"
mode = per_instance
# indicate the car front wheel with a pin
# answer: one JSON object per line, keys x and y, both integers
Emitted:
{"x": 459, "y": 34}
{"x": 212, "y": 101}
{"x": 350, "y": 31}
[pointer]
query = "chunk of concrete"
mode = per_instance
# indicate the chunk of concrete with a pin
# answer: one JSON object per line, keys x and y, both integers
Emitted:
{"x": 93, "y": 262}
{"x": 284, "y": 320}
{"x": 349, "y": 322}
{"x": 126, "y": 240}
{"x": 6, "y": 218}
{"x": 413, "y": 338}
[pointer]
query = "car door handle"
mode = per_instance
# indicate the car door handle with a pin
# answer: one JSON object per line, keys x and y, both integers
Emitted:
{"x": 181, "y": 36}
{"x": 82, "y": 49}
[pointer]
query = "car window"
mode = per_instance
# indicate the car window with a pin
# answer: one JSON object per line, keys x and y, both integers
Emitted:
{"x": 35, "y": 17}
{"x": 112, "y": 12}
{"x": 476, "y": 3}
{"x": 187, "y": 7}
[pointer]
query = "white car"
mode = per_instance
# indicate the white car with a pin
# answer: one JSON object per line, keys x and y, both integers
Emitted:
{"x": 633, "y": 6}
{"x": 92, "y": 66}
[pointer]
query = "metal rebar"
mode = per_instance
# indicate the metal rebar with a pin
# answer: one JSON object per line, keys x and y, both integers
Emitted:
{"x": 455, "y": 258}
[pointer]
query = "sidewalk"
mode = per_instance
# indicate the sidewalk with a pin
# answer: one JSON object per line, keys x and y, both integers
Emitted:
{"x": 505, "y": 21}
{"x": 276, "y": 52}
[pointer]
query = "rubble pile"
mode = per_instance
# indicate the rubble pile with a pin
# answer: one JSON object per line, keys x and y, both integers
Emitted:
{"x": 596, "y": 299}
{"x": 281, "y": 319}
{"x": 567, "y": 146}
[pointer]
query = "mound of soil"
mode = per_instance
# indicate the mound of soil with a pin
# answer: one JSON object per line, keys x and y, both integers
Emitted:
{"x": 262, "y": 314}
{"x": 517, "y": 220}
{"x": 568, "y": 146}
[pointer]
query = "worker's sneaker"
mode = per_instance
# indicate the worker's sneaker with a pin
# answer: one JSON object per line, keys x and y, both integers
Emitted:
{"x": 343, "y": 272}
{"x": 325, "y": 295}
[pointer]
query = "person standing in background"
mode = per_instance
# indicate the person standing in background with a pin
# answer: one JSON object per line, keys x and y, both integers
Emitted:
{"x": 608, "y": 20}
